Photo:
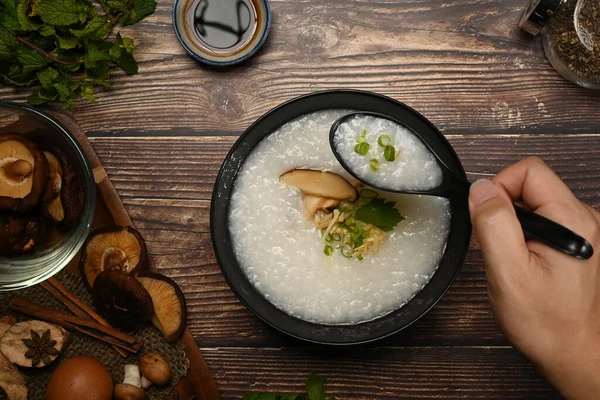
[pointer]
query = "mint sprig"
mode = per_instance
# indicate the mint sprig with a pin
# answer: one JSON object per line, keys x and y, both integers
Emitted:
{"x": 64, "y": 47}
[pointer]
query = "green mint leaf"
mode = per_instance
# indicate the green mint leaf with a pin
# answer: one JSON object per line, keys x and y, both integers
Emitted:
{"x": 35, "y": 99}
{"x": 68, "y": 42}
{"x": 31, "y": 60}
{"x": 272, "y": 396}
{"x": 97, "y": 28}
{"x": 315, "y": 387}
{"x": 121, "y": 54}
{"x": 9, "y": 16}
{"x": 63, "y": 90}
{"x": 47, "y": 77}
{"x": 143, "y": 8}
{"x": 380, "y": 213}
{"x": 23, "y": 11}
{"x": 47, "y": 30}
{"x": 62, "y": 12}
{"x": 8, "y": 44}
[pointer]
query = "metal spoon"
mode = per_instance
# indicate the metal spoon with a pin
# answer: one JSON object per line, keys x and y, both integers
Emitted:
{"x": 456, "y": 187}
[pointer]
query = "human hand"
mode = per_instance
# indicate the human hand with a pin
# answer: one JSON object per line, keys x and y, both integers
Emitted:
{"x": 545, "y": 302}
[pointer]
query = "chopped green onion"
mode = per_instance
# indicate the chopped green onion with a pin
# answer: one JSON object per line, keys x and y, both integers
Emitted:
{"x": 368, "y": 193}
{"x": 328, "y": 238}
{"x": 360, "y": 257}
{"x": 336, "y": 237}
{"x": 384, "y": 140}
{"x": 345, "y": 208}
{"x": 357, "y": 241}
{"x": 363, "y": 134}
{"x": 328, "y": 250}
{"x": 349, "y": 221}
{"x": 347, "y": 251}
{"x": 362, "y": 148}
{"x": 374, "y": 164}
{"x": 389, "y": 153}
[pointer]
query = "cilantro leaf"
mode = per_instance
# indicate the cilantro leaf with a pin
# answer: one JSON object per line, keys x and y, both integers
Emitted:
{"x": 380, "y": 213}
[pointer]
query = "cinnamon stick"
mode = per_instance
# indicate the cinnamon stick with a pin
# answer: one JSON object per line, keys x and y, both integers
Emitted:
{"x": 76, "y": 306}
{"x": 58, "y": 317}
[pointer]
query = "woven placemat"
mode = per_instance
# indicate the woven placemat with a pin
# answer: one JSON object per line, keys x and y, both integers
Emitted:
{"x": 150, "y": 337}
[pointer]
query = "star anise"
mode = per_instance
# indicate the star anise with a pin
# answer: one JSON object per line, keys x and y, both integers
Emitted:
{"x": 40, "y": 348}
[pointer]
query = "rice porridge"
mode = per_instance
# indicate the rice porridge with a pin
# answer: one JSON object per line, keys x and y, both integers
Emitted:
{"x": 281, "y": 250}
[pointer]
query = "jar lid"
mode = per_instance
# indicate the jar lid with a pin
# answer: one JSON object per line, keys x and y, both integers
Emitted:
{"x": 537, "y": 14}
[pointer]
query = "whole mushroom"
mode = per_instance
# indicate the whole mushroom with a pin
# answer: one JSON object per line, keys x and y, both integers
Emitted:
{"x": 130, "y": 389}
{"x": 155, "y": 370}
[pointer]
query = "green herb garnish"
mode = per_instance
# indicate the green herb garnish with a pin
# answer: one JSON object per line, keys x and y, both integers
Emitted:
{"x": 64, "y": 45}
{"x": 380, "y": 213}
{"x": 328, "y": 250}
{"x": 374, "y": 164}
{"x": 384, "y": 140}
{"x": 315, "y": 390}
{"x": 389, "y": 153}
{"x": 362, "y": 148}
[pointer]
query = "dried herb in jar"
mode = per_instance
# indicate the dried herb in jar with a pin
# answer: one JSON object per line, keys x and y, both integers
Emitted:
{"x": 575, "y": 37}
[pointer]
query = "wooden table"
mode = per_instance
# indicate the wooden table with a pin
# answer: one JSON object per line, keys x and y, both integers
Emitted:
{"x": 163, "y": 134}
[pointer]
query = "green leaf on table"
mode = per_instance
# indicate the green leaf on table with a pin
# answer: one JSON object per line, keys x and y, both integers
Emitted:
{"x": 272, "y": 396}
{"x": 97, "y": 28}
{"x": 315, "y": 387}
{"x": 23, "y": 12}
{"x": 141, "y": 9}
{"x": 63, "y": 12}
{"x": 9, "y": 16}
{"x": 68, "y": 42}
{"x": 120, "y": 53}
{"x": 47, "y": 30}
{"x": 8, "y": 44}
{"x": 380, "y": 213}
{"x": 47, "y": 77}
{"x": 31, "y": 60}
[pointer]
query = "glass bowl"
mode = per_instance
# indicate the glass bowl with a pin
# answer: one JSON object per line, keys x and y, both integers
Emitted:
{"x": 43, "y": 262}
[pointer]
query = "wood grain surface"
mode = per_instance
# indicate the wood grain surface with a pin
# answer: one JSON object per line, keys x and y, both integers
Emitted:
{"x": 162, "y": 134}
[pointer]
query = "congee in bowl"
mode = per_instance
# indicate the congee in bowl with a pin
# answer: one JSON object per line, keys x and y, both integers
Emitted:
{"x": 318, "y": 254}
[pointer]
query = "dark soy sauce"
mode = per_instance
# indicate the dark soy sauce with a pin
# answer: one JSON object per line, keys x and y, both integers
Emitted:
{"x": 225, "y": 27}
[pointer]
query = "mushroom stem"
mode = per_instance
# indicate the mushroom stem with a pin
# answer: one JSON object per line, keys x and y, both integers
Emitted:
{"x": 18, "y": 170}
{"x": 146, "y": 383}
{"x": 132, "y": 375}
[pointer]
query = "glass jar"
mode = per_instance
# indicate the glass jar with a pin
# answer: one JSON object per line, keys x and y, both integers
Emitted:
{"x": 570, "y": 32}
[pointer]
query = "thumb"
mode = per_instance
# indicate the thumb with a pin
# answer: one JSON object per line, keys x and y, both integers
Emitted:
{"x": 498, "y": 229}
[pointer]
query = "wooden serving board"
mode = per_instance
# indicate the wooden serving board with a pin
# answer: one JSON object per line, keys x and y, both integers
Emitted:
{"x": 198, "y": 384}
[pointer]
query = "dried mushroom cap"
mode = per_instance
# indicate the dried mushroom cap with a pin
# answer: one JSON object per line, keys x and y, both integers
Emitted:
{"x": 20, "y": 234}
{"x": 121, "y": 299}
{"x": 11, "y": 380}
{"x": 116, "y": 248}
{"x": 33, "y": 343}
{"x": 155, "y": 368}
{"x": 125, "y": 391}
{"x": 170, "y": 311}
{"x": 23, "y": 173}
{"x": 63, "y": 195}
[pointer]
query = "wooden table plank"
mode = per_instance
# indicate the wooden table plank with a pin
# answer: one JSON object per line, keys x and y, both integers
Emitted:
{"x": 146, "y": 170}
{"x": 381, "y": 373}
{"x": 463, "y": 63}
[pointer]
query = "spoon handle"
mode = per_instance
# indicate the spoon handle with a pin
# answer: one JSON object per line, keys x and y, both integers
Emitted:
{"x": 554, "y": 235}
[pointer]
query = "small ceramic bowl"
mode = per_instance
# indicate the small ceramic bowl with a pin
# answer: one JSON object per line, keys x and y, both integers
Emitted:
{"x": 454, "y": 253}
{"x": 222, "y": 33}
{"x": 49, "y": 258}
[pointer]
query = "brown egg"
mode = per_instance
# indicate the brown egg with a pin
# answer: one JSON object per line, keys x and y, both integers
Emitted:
{"x": 80, "y": 377}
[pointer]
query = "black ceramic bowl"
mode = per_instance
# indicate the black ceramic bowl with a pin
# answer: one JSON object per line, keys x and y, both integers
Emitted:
{"x": 454, "y": 254}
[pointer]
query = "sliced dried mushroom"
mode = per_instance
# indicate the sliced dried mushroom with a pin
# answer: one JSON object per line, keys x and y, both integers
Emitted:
{"x": 63, "y": 195}
{"x": 320, "y": 184}
{"x": 20, "y": 234}
{"x": 312, "y": 204}
{"x": 33, "y": 343}
{"x": 115, "y": 248}
{"x": 170, "y": 311}
{"x": 5, "y": 323}
{"x": 23, "y": 173}
{"x": 11, "y": 380}
{"x": 121, "y": 299}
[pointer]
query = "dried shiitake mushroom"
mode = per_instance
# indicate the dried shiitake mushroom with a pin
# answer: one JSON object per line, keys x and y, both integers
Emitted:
{"x": 20, "y": 234}
{"x": 23, "y": 173}
{"x": 12, "y": 381}
{"x": 63, "y": 195}
{"x": 115, "y": 248}
{"x": 170, "y": 311}
{"x": 320, "y": 184}
{"x": 33, "y": 343}
{"x": 121, "y": 299}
